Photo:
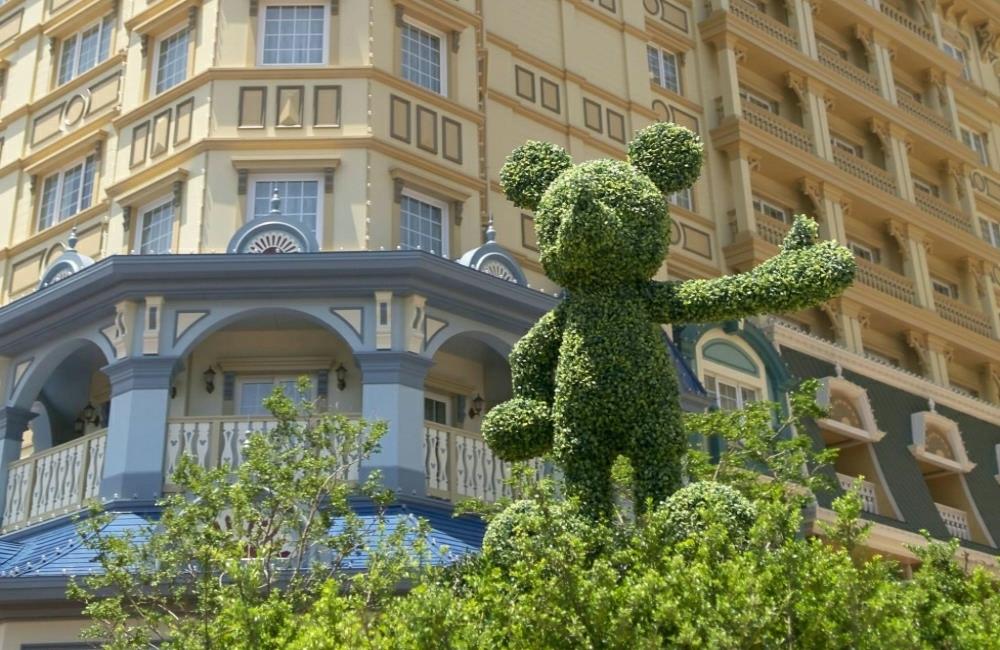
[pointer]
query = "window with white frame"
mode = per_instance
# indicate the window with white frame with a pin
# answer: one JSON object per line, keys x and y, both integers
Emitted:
{"x": 156, "y": 228}
{"x": 926, "y": 187}
{"x": 758, "y": 100}
{"x": 731, "y": 374}
{"x": 771, "y": 209}
{"x": 945, "y": 288}
{"x": 85, "y": 49}
{"x": 865, "y": 252}
{"x": 436, "y": 409}
{"x": 846, "y": 146}
{"x": 663, "y": 68}
{"x": 423, "y": 58}
{"x": 251, "y": 391}
{"x": 300, "y": 198}
{"x": 991, "y": 231}
{"x": 423, "y": 223}
{"x": 171, "y": 60}
{"x": 294, "y": 34}
{"x": 682, "y": 198}
{"x": 67, "y": 192}
{"x": 959, "y": 55}
{"x": 977, "y": 142}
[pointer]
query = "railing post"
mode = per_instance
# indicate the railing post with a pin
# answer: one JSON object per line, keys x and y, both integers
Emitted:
{"x": 13, "y": 424}
{"x": 452, "y": 460}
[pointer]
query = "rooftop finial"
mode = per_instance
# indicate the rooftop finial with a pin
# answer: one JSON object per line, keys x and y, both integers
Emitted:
{"x": 275, "y": 202}
{"x": 72, "y": 239}
{"x": 491, "y": 233}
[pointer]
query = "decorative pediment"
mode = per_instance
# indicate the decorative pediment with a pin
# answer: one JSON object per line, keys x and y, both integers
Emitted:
{"x": 68, "y": 263}
{"x": 273, "y": 234}
{"x": 938, "y": 442}
{"x": 493, "y": 259}
{"x": 849, "y": 411}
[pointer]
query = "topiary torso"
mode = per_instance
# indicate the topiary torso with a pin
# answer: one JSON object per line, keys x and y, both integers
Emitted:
{"x": 593, "y": 379}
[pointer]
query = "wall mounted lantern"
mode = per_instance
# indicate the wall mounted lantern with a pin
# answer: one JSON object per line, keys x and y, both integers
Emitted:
{"x": 209, "y": 377}
{"x": 477, "y": 406}
{"x": 341, "y": 373}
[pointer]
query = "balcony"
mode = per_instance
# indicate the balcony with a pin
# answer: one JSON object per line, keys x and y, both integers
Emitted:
{"x": 962, "y": 315}
{"x": 761, "y": 21}
{"x": 53, "y": 482}
{"x": 887, "y": 281}
{"x": 867, "y": 492}
{"x": 850, "y": 71}
{"x": 771, "y": 230}
{"x": 780, "y": 128}
{"x": 943, "y": 211}
{"x": 864, "y": 170}
{"x": 907, "y": 22}
{"x": 459, "y": 465}
{"x": 956, "y": 521}
{"x": 923, "y": 112}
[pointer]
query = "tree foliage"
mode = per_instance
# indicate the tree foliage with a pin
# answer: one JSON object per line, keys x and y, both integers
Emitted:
{"x": 592, "y": 379}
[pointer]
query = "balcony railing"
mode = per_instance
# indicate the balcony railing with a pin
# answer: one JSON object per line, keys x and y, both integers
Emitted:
{"x": 770, "y": 26}
{"x": 55, "y": 481}
{"x": 907, "y": 22}
{"x": 771, "y": 230}
{"x": 869, "y": 173}
{"x": 780, "y": 128}
{"x": 217, "y": 441}
{"x": 847, "y": 69}
{"x": 459, "y": 465}
{"x": 867, "y": 493}
{"x": 943, "y": 211}
{"x": 923, "y": 112}
{"x": 887, "y": 281}
{"x": 956, "y": 521}
{"x": 962, "y": 315}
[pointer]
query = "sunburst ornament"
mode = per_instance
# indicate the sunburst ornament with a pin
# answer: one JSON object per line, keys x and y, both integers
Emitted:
{"x": 273, "y": 241}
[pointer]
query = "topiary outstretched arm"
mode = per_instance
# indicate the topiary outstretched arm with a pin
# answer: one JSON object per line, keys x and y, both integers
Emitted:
{"x": 521, "y": 428}
{"x": 803, "y": 274}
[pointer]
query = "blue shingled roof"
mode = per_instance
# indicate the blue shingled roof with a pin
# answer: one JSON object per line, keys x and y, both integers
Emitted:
{"x": 59, "y": 550}
{"x": 685, "y": 375}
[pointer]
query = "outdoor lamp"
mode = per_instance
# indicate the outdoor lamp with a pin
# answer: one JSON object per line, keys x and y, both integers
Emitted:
{"x": 209, "y": 377}
{"x": 90, "y": 414}
{"x": 477, "y": 406}
{"x": 341, "y": 373}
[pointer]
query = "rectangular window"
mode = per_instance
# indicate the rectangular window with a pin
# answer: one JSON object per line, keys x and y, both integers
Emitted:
{"x": 67, "y": 193}
{"x": 991, "y": 231}
{"x": 436, "y": 410}
{"x": 684, "y": 199}
{"x": 84, "y": 50}
{"x": 846, "y": 146}
{"x": 867, "y": 253}
{"x": 760, "y": 101}
{"x": 424, "y": 224}
{"x": 294, "y": 34}
{"x": 945, "y": 288}
{"x": 976, "y": 142}
{"x": 927, "y": 188}
{"x": 729, "y": 395}
{"x": 663, "y": 68}
{"x": 171, "y": 60}
{"x": 769, "y": 209}
{"x": 156, "y": 231}
{"x": 423, "y": 58}
{"x": 959, "y": 55}
{"x": 299, "y": 199}
{"x": 254, "y": 389}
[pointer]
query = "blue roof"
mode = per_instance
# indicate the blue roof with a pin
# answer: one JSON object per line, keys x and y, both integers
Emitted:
{"x": 59, "y": 550}
{"x": 685, "y": 375}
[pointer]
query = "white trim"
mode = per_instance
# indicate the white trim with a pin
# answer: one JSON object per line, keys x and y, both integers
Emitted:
{"x": 61, "y": 174}
{"x": 258, "y": 378}
{"x": 445, "y": 218}
{"x": 732, "y": 376}
{"x": 662, "y": 55}
{"x": 786, "y": 214}
{"x": 262, "y": 18}
{"x": 101, "y": 56}
{"x": 757, "y": 99}
{"x": 920, "y": 423}
{"x": 155, "y": 68}
{"x": 442, "y": 53}
{"x": 845, "y": 145}
{"x": 444, "y": 399}
{"x": 868, "y": 253}
{"x": 149, "y": 207}
{"x": 253, "y": 179}
{"x": 858, "y": 396}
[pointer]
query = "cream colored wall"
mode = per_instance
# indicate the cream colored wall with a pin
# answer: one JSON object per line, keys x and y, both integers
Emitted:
{"x": 13, "y": 634}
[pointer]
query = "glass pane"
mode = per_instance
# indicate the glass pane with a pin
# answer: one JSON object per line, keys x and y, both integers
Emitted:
{"x": 157, "y": 230}
{"x": 252, "y": 396}
{"x": 421, "y": 58}
{"x": 298, "y": 200}
{"x": 293, "y": 35}
{"x": 171, "y": 65}
{"x": 422, "y": 225}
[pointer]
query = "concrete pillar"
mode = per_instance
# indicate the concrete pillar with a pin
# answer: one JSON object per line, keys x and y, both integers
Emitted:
{"x": 831, "y": 208}
{"x": 896, "y": 144}
{"x": 849, "y": 321}
{"x": 933, "y": 353}
{"x": 943, "y": 98}
{"x": 913, "y": 249}
{"x": 813, "y": 101}
{"x": 742, "y": 160}
{"x": 980, "y": 291}
{"x": 393, "y": 392}
{"x": 801, "y": 14}
{"x": 140, "y": 403}
{"x": 990, "y": 379}
{"x": 729, "y": 53}
{"x": 13, "y": 424}
{"x": 960, "y": 190}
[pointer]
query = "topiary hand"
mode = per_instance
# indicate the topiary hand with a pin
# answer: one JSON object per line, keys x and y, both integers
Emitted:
{"x": 519, "y": 429}
{"x": 804, "y": 233}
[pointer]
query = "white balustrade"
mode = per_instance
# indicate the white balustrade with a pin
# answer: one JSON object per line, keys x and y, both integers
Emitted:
{"x": 55, "y": 481}
{"x": 956, "y": 521}
{"x": 218, "y": 441}
{"x": 459, "y": 464}
{"x": 867, "y": 493}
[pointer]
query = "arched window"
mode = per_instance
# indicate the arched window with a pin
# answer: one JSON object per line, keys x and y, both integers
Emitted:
{"x": 730, "y": 371}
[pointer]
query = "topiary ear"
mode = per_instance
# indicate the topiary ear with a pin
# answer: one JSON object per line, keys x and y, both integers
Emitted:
{"x": 669, "y": 154}
{"x": 529, "y": 171}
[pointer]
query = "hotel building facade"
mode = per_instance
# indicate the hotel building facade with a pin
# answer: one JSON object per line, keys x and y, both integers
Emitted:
{"x": 155, "y": 154}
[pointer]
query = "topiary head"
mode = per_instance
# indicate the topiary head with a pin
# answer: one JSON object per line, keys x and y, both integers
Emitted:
{"x": 689, "y": 513}
{"x": 603, "y": 222}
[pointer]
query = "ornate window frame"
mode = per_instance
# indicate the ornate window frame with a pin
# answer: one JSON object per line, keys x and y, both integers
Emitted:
{"x": 858, "y": 396}
{"x": 926, "y": 422}
{"x": 739, "y": 377}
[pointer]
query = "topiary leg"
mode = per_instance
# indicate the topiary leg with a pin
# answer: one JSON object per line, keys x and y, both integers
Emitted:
{"x": 588, "y": 478}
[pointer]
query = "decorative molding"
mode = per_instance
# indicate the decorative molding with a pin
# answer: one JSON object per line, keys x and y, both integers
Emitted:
{"x": 383, "y": 320}
{"x": 241, "y": 181}
{"x": 867, "y": 37}
{"x": 185, "y": 320}
{"x": 354, "y": 317}
{"x": 858, "y": 397}
{"x": 328, "y": 180}
{"x": 927, "y": 423}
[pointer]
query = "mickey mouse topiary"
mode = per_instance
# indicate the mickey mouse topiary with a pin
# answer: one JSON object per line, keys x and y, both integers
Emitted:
{"x": 593, "y": 379}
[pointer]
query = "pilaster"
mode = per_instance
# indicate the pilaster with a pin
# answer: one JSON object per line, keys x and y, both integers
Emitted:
{"x": 960, "y": 188}
{"x": 990, "y": 378}
{"x": 832, "y": 208}
{"x": 896, "y": 144}
{"x": 393, "y": 392}
{"x": 729, "y": 52}
{"x": 742, "y": 162}
{"x": 944, "y": 98}
{"x": 978, "y": 285}
{"x": 801, "y": 14}
{"x": 849, "y": 321}
{"x": 880, "y": 56}
{"x": 815, "y": 102}
{"x": 933, "y": 353}
{"x": 913, "y": 248}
